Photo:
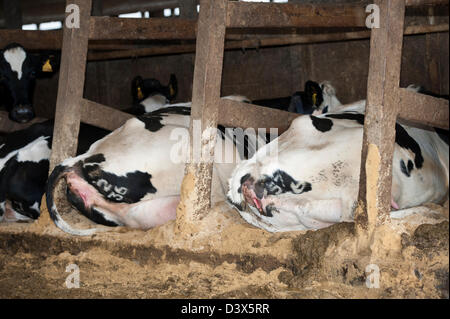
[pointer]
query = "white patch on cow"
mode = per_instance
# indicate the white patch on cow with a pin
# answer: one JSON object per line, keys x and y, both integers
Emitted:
{"x": 154, "y": 103}
{"x": 36, "y": 207}
{"x": 15, "y": 57}
{"x": 329, "y": 97}
{"x": 2, "y": 211}
{"x": 36, "y": 151}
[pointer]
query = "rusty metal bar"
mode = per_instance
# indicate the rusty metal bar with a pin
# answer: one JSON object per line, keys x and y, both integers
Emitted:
{"x": 381, "y": 114}
{"x": 70, "y": 87}
{"x": 425, "y": 109}
{"x": 276, "y": 15}
{"x": 102, "y": 116}
{"x": 205, "y": 110}
{"x": 107, "y": 28}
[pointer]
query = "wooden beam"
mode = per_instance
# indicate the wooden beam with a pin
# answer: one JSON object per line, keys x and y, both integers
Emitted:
{"x": 244, "y": 115}
{"x": 205, "y": 110}
{"x": 102, "y": 116}
{"x": 106, "y": 28}
{"x": 276, "y": 15}
{"x": 421, "y": 108}
{"x": 381, "y": 114}
{"x": 416, "y": 3}
{"x": 70, "y": 86}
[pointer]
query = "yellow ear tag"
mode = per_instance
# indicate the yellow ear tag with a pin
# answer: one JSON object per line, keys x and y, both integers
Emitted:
{"x": 314, "y": 98}
{"x": 139, "y": 93}
{"x": 47, "y": 66}
{"x": 172, "y": 91}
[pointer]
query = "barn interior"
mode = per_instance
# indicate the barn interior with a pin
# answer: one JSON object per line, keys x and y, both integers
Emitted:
{"x": 219, "y": 255}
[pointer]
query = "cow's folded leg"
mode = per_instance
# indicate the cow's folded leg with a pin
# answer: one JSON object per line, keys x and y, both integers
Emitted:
{"x": 145, "y": 214}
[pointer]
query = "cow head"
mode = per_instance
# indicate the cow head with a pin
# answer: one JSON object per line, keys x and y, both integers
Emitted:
{"x": 143, "y": 88}
{"x": 18, "y": 71}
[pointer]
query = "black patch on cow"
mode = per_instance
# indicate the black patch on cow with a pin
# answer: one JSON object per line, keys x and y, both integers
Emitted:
{"x": 153, "y": 120}
{"x": 96, "y": 158}
{"x": 443, "y": 134}
{"x": 281, "y": 182}
{"x": 18, "y": 139}
{"x": 130, "y": 188}
{"x": 404, "y": 140}
{"x": 348, "y": 116}
{"x": 89, "y": 212}
{"x": 321, "y": 124}
{"x": 268, "y": 212}
{"x": 406, "y": 169}
{"x": 23, "y": 183}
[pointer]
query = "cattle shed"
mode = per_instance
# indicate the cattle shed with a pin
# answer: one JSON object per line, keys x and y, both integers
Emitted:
{"x": 262, "y": 50}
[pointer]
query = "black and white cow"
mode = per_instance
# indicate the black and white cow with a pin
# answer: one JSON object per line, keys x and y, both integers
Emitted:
{"x": 133, "y": 176}
{"x": 150, "y": 95}
{"x": 24, "y": 165}
{"x": 18, "y": 71}
{"x": 308, "y": 178}
{"x": 316, "y": 98}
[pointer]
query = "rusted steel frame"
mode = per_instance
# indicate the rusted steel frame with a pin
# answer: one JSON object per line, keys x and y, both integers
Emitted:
{"x": 70, "y": 86}
{"x": 102, "y": 116}
{"x": 255, "y": 43}
{"x": 244, "y": 115}
{"x": 381, "y": 114}
{"x": 205, "y": 107}
{"x": 107, "y": 28}
{"x": 275, "y": 15}
{"x": 425, "y": 109}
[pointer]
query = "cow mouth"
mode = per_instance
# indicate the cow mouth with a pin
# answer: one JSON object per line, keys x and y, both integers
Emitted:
{"x": 253, "y": 200}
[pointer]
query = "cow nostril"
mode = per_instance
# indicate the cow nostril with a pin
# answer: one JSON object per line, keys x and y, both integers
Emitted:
{"x": 22, "y": 114}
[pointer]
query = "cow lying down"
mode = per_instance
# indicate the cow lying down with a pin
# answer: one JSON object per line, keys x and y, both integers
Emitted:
{"x": 130, "y": 177}
{"x": 311, "y": 180}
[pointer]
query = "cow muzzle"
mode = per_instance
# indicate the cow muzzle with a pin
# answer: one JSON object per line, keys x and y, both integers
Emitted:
{"x": 22, "y": 114}
{"x": 254, "y": 194}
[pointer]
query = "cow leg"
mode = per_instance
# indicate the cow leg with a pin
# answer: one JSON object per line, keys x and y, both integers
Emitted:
{"x": 145, "y": 214}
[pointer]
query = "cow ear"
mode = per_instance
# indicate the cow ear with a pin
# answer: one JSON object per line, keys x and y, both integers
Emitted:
{"x": 313, "y": 91}
{"x": 173, "y": 87}
{"x": 137, "y": 87}
{"x": 48, "y": 63}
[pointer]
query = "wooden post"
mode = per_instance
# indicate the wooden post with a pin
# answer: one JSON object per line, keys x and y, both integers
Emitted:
{"x": 381, "y": 113}
{"x": 12, "y": 12}
{"x": 204, "y": 113}
{"x": 71, "y": 84}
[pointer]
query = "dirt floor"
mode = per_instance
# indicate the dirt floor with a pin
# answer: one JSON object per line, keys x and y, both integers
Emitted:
{"x": 231, "y": 260}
